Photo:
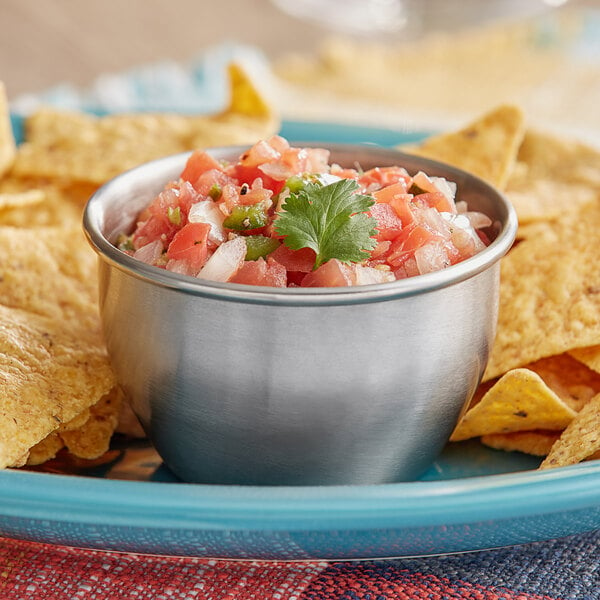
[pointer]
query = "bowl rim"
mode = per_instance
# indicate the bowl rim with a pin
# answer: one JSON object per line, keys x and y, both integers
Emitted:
{"x": 411, "y": 286}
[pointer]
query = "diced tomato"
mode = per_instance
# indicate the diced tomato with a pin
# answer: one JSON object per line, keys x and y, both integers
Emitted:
{"x": 199, "y": 162}
{"x": 260, "y": 153}
{"x": 255, "y": 194}
{"x": 331, "y": 274}
{"x": 249, "y": 174}
{"x": 302, "y": 260}
{"x": 404, "y": 246}
{"x": 190, "y": 245}
{"x": 261, "y": 272}
{"x": 395, "y": 195}
{"x": 389, "y": 224}
{"x": 381, "y": 177}
{"x": 156, "y": 227}
{"x": 343, "y": 172}
{"x": 402, "y": 204}
{"x": 435, "y": 200}
{"x": 294, "y": 278}
{"x": 386, "y": 194}
{"x": 174, "y": 202}
{"x": 212, "y": 181}
{"x": 379, "y": 251}
{"x": 278, "y": 143}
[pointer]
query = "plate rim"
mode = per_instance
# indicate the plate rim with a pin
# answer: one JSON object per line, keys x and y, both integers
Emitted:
{"x": 404, "y": 504}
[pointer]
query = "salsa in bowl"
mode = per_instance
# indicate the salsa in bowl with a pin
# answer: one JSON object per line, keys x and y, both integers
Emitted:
{"x": 296, "y": 385}
{"x": 284, "y": 216}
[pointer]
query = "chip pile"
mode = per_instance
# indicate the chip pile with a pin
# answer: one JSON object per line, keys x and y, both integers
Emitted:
{"x": 541, "y": 389}
{"x": 57, "y": 387}
{"x": 540, "y": 393}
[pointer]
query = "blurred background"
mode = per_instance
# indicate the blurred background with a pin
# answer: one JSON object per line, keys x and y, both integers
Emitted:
{"x": 543, "y": 54}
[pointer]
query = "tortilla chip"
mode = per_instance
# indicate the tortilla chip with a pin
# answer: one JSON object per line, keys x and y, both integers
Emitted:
{"x": 536, "y": 443}
{"x": 553, "y": 175}
{"x": 92, "y": 439}
{"x": 519, "y": 401}
{"x": 18, "y": 199}
{"x": 458, "y": 71}
{"x": 487, "y": 147}
{"x": 59, "y": 212}
{"x": 245, "y": 97}
{"x": 571, "y": 380}
{"x": 247, "y": 118}
{"x": 579, "y": 441}
{"x": 535, "y": 229}
{"x": 47, "y": 203}
{"x": 7, "y": 140}
{"x": 64, "y": 145}
{"x": 549, "y": 294}
{"x": 91, "y": 150}
{"x": 45, "y": 450}
{"x": 53, "y": 363}
{"x": 588, "y": 356}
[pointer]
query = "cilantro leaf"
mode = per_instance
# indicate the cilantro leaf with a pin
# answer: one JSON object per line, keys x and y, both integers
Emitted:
{"x": 330, "y": 219}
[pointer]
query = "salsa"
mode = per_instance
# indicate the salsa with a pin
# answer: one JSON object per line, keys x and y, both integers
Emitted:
{"x": 286, "y": 217}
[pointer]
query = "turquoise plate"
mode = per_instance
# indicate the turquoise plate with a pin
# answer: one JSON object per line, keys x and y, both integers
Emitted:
{"x": 472, "y": 498}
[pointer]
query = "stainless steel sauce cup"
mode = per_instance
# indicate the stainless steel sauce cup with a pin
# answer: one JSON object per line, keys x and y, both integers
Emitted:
{"x": 241, "y": 384}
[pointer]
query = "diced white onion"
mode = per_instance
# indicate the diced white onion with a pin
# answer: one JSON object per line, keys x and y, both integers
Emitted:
{"x": 431, "y": 257}
{"x": 478, "y": 220}
{"x": 448, "y": 188}
{"x": 435, "y": 184}
{"x": 149, "y": 253}
{"x": 207, "y": 211}
{"x": 327, "y": 178}
{"x": 434, "y": 220}
{"x": 461, "y": 227}
{"x": 367, "y": 275}
{"x": 225, "y": 262}
{"x": 318, "y": 159}
{"x": 179, "y": 266}
{"x": 276, "y": 170}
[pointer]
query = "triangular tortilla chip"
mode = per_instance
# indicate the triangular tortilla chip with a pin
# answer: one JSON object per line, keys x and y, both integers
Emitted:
{"x": 536, "y": 443}
{"x": 519, "y": 401}
{"x": 570, "y": 379}
{"x": 73, "y": 146}
{"x": 36, "y": 203}
{"x": 247, "y": 119}
{"x": 7, "y": 140}
{"x": 245, "y": 97}
{"x": 53, "y": 363}
{"x": 86, "y": 436}
{"x": 589, "y": 356}
{"x": 19, "y": 199}
{"x": 579, "y": 441}
{"x": 487, "y": 147}
{"x": 553, "y": 175}
{"x": 549, "y": 294}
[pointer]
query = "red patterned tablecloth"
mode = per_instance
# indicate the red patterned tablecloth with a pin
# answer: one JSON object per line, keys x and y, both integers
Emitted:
{"x": 558, "y": 569}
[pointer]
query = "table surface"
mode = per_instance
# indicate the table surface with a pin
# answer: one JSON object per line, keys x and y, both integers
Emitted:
{"x": 42, "y": 43}
{"x": 45, "y": 42}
